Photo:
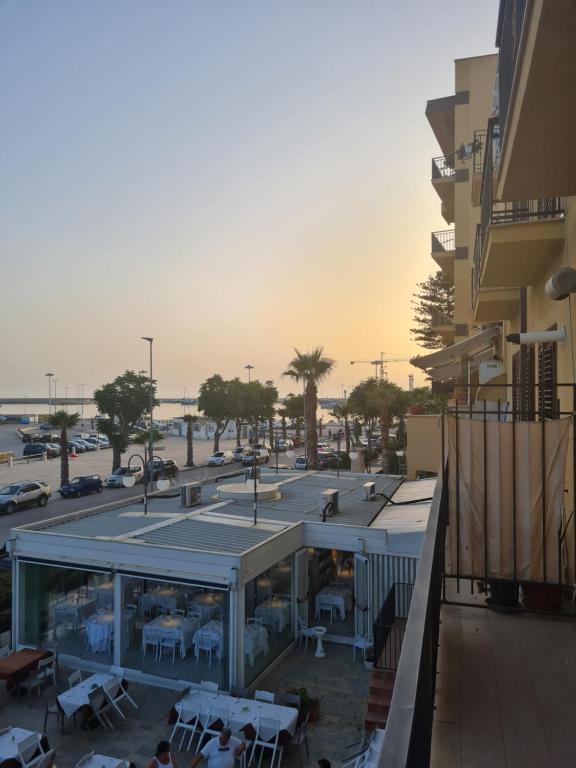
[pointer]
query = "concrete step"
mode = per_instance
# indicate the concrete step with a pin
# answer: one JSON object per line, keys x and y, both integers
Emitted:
{"x": 375, "y": 720}
{"x": 385, "y": 675}
{"x": 379, "y": 703}
{"x": 380, "y": 686}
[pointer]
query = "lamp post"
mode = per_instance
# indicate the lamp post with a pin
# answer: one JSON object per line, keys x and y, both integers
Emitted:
{"x": 150, "y": 340}
{"x": 249, "y": 368}
{"x": 184, "y": 400}
{"x": 338, "y": 441}
{"x": 148, "y": 465}
{"x": 55, "y": 381}
{"x": 66, "y": 388}
{"x": 81, "y": 388}
{"x": 49, "y": 375}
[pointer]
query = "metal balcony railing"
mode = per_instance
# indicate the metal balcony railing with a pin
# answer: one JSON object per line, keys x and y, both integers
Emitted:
{"x": 443, "y": 167}
{"x": 443, "y": 241}
{"x": 479, "y": 145}
{"x": 510, "y": 24}
{"x": 476, "y": 271}
{"x": 439, "y": 318}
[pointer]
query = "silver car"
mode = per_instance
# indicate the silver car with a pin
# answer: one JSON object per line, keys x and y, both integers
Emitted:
{"x": 116, "y": 479}
{"x": 17, "y": 495}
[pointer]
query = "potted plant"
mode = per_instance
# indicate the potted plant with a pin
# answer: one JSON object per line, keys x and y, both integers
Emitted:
{"x": 308, "y": 705}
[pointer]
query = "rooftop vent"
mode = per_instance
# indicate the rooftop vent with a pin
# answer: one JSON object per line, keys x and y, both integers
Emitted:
{"x": 191, "y": 494}
{"x": 369, "y": 490}
{"x": 329, "y": 502}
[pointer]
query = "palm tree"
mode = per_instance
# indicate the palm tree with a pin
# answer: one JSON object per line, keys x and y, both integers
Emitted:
{"x": 343, "y": 412}
{"x": 189, "y": 420}
{"x": 310, "y": 367}
{"x": 388, "y": 400}
{"x": 283, "y": 413}
{"x": 63, "y": 421}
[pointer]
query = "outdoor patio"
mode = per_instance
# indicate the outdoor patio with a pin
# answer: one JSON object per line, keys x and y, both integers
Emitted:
{"x": 342, "y": 686}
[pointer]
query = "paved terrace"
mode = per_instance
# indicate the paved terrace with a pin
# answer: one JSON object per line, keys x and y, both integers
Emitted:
{"x": 506, "y": 690}
{"x": 342, "y": 686}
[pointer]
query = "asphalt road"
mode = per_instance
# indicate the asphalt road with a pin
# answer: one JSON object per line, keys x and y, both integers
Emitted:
{"x": 58, "y": 506}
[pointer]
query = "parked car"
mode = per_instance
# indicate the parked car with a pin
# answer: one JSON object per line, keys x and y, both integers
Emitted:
{"x": 17, "y": 495}
{"x": 238, "y": 452}
{"x": 261, "y": 447}
{"x": 98, "y": 436}
{"x": 219, "y": 458}
{"x": 116, "y": 479}
{"x": 34, "y": 449}
{"x": 81, "y": 486}
{"x": 53, "y": 450}
{"x": 301, "y": 463}
{"x": 260, "y": 456}
{"x": 340, "y": 460}
{"x": 98, "y": 442}
{"x": 285, "y": 444}
{"x": 324, "y": 447}
{"x": 77, "y": 446}
{"x": 88, "y": 446}
{"x": 325, "y": 459}
{"x": 165, "y": 468}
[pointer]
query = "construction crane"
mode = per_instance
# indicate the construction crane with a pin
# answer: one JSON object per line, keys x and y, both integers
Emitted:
{"x": 380, "y": 365}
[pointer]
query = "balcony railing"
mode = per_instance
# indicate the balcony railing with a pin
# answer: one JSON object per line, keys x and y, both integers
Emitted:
{"x": 408, "y": 735}
{"x": 476, "y": 272}
{"x": 510, "y": 23}
{"x": 438, "y": 318}
{"x": 479, "y": 145}
{"x": 443, "y": 241}
{"x": 443, "y": 167}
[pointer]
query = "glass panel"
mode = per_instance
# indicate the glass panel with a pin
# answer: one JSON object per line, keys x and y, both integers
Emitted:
{"x": 176, "y": 630}
{"x": 268, "y": 610}
{"x": 62, "y": 605}
{"x": 332, "y": 590}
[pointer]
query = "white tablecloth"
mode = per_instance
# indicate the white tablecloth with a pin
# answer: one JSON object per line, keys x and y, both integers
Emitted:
{"x": 210, "y": 633}
{"x": 9, "y": 743}
{"x": 71, "y": 701}
{"x": 103, "y": 761}
{"x": 165, "y": 597}
{"x": 208, "y": 605}
{"x": 275, "y": 612}
{"x": 184, "y": 629}
{"x": 104, "y": 593}
{"x": 74, "y": 611}
{"x": 99, "y": 627}
{"x": 242, "y": 712}
{"x": 255, "y": 641}
{"x": 339, "y": 598}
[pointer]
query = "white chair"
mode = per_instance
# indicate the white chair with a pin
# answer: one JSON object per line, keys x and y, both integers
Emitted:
{"x": 100, "y": 707}
{"x": 111, "y": 688}
{"x": 208, "y": 685}
{"x": 47, "y": 668}
{"x": 305, "y": 632}
{"x": 28, "y": 747}
{"x": 178, "y": 612}
{"x": 34, "y": 682}
{"x": 208, "y": 645}
{"x": 325, "y": 605}
{"x": 240, "y": 736}
{"x": 122, "y": 692}
{"x": 267, "y": 734}
{"x": 212, "y": 723}
{"x": 169, "y": 642}
{"x": 44, "y": 760}
{"x": 75, "y": 678}
{"x": 264, "y": 696}
{"x": 84, "y": 759}
{"x": 145, "y": 605}
{"x": 362, "y": 643}
{"x": 151, "y": 637}
{"x": 300, "y": 739}
{"x": 186, "y": 726}
{"x": 193, "y": 612}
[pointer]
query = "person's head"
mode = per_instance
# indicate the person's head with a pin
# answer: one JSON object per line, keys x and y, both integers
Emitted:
{"x": 323, "y": 763}
{"x": 163, "y": 748}
{"x": 224, "y": 737}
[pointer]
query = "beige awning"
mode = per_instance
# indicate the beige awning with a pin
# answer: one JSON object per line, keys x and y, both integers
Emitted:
{"x": 447, "y": 363}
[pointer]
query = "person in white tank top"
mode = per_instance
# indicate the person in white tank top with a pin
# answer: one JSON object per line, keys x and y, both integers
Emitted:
{"x": 163, "y": 757}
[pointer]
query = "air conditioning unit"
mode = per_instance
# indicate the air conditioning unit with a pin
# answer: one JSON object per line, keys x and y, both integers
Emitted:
{"x": 489, "y": 369}
{"x": 369, "y": 490}
{"x": 191, "y": 494}
{"x": 329, "y": 501}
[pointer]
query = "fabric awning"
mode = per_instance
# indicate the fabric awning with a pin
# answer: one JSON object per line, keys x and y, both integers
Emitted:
{"x": 447, "y": 363}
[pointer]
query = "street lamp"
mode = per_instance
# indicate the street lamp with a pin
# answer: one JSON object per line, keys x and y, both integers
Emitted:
{"x": 338, "y": 441}
{"x": 249, "y": 368}
{"x": 49, "y": 375}
{"x": 66, "y": 388}
{"x": 55, "y": 404}
{"x": 148, "y": 464}
{"x": 150, "y": 340}
{"x": 184, "y": 400}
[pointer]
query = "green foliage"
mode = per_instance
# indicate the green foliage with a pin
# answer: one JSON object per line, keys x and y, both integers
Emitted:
{"x": 294, "y": 407}
{"x": 435, "y": 296}
{"x": 63, "y": 420}
{"x": 143, "y": 437}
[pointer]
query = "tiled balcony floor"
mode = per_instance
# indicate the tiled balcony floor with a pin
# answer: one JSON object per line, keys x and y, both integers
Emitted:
{"x": 506, "y": 690}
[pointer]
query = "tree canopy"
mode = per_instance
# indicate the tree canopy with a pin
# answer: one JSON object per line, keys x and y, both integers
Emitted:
{"x": 432, "y": 304}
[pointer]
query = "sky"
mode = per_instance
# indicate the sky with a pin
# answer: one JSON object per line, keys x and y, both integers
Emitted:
{"x": 236, "y": 178}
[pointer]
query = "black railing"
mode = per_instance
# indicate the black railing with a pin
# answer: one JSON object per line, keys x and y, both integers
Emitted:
{"x": 383, "y": 624}
{"x": 443, "y": 167}
{"x": 389, "y": 626}
{"x": 479, "y": 146}
{"x": 510, "y": 23}
{"x": 443, "y": 241}
{"x": 408, "y": 735}
{"x": 476, "y": 272}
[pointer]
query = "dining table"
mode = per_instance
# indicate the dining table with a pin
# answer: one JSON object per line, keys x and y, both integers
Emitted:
{"x": 182, "y": 627}
{"x": 74, "y": 610}
{"x": 161, "y": 597}
{"x": 104, "y": 593}
{"x": 76, "y": 698}
{"x": 244, "y": 714}
{"x": 18, "y": 665}
{"x": 100, "y": 628}
{"x": 207, "y": 605}
{"x": 105, "y": 761}
{"x": 337, "y": 597}
{"x": 9, "y": 740}
{"x": 255, "y": 639}
{"x": 275, "y": 612}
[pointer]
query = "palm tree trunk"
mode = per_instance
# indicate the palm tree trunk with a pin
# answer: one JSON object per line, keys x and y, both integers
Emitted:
{"x": 384, "y": 430}
{"x": 311, "y": 399}
{"x": 271, "y": 433}
{"x": 64, "y": 465}
{"x": 116, "y": 452}
{"x": 298, "y": 427}
{"x": 189, "y": 445}
{"x": 238, "y": 430}
{"x": 284, "y": 427}
{"x": 217, "y": 437}
{"x": 347, "y": 435}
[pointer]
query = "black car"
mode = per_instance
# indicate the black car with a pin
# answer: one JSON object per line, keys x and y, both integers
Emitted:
{"x": 36, "y": 450}
{"x": 81, "y": 486}
{"x": 164, "y": 468}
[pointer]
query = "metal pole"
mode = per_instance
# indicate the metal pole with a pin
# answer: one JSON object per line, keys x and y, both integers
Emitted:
{"x": 55, "y": 398}
{"x": 150, "y": 340}
{"x": 82, "y": 400}
{"x": 338, "y": 439}
{"x": 255, "y": 489}
{"x": 49, "y": 375}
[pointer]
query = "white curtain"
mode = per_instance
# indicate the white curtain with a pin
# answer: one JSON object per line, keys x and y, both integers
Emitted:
{"x": 517, "y": 460}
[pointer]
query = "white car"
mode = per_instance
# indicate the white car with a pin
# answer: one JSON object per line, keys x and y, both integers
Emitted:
{"x": 116, "y": 479}
{"x": 324, "y": 447}
{"x": 285, "y": 444}
{"x": 101, "y": 442}
{"x": 219, "y": 458}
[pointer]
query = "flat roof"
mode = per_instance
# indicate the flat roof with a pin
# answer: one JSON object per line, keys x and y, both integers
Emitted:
{"x": 226, "y": 526}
